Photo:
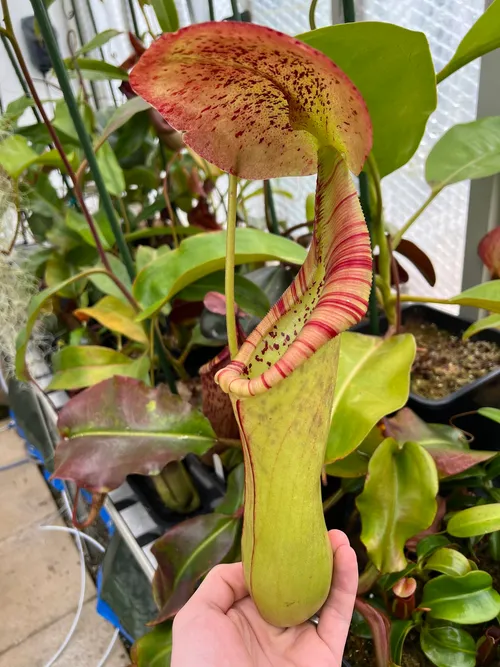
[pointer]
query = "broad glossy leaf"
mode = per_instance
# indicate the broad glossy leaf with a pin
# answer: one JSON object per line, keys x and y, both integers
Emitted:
{"x": 99, "y": 40}
{"x": 189, "y": 550}
{"x": 381, "y": 56}
{"x": 399, "y": 632}
{"x": 96, "y": 70}
{"x": 121, "y": 426}
{"x": 111, "y": 171}
{"x": 373, "y": 380}
{"x": 78, "y": 367}
{"x": 448, "y": 561}
{"x": 203, "y": 254}
{"x": 34, "y": 310}
{"x": 185, "y": 554}
{"x": 465, "y": 600}
{"x": 446, "y": 444}
{"x": 154, "y": 649}
{"x": 309, "y": 104}
{"x": 475, "y": 521}
{"x": 447, "y": 646}
{"x": 16, "y": 156}
{"x": 249, "y": 297}
{"x": 57, "y": 272}
{"x": 428, "y": 545}
{"x": 483, "y": 37}
{"x": 490, "y": 413}
{"x": 400, "y": 478}
{"x": 356, "y": 463}
{"x": 166, "y": 13}
{"x": 120, "y": 116}
{"x": 486, "y": 295}
{"x": 489, "y": 322}
{"x": 116, "y": 315}
{"x": 144, "y": 254}
{"x": 105, "y": 284}
{"x": 465, "y": 151}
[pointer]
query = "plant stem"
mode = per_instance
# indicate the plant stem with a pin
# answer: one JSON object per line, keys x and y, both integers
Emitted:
{"x": 401, "y": 232}
{"x": 384, "y": 258}
{"x": 364, "y": 196}
{"x": 168, "y": 203}
{"x": 229, "y": 274}
{"x": 333, "y": 499}
{"x": 82, "y": 42}
{"x": 271, "y": 218}
{"x": 152, "y": 325}
{"x": 96, "y": 32}
{"x": 211, "y": 10}
{"x": 349, "y": 11}
{"x": 19, "y": 75}
{"x": 424, "y": 299}
{"x": 62, "y": 76}
{"x": 15, "y": 188}
{"x": 236, "y": 11}
{"x": 294, "y": 228}
{"x": 312, "y": 14}
{"x": 395, "y": 277}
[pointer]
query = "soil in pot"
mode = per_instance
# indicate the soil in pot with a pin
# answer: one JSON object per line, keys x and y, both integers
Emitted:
{"x": 359, "y": 652}
{"x": 445, "y": 363}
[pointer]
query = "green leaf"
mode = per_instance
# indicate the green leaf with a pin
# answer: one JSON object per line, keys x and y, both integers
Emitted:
{"x": 112, "y": 173}
{"x": 57, "y": 273}
{"x": 141, "y": 176}
{"x": 446, "y": 444}
{"x": 486, "y": 295}
{"x": 465, "y": 600}
{"x": 62, "y": 119}
{"x": 76, "y": 222}
{"x": 384, "y": 57}
{"x": 356, "y": 463}
{"x": 489, "y": 322}
{"x": 483, "y": 37}
{"x": 154, "y": 649}
{"x": 77, "y": 367}
{"x": 99, "y": 40}
{"x": 373, "y": 380}
{"x": 120, "y": 116}
{"x": 202, "y": 254}
{"x": 144, "y": 254}
{"x": 34, "y": 309}
{"x": 116, "y": 315}
{"x": 121, "y": 426}
{"x": 400, "y": 479}
{"x": 247, "y": 294}
{"x": 429, "y": 544}
{"x": 16, "y": 156}
{"x": 166, "y": 13}
{"x": 399, "y": 632}
{"x": 233, "y": 499}
{"x": 310, "y": 203}
{"x": 448, "y": 561}
{"x": 96, "y": 70}
{"x": 475, "y": 521}
{"x": 490, "y": 413}
{"x": 16, "y": 108}
{"x": 105, "y": 284}
{"x": 448, "y": 647}
{"x": 466, "y": 151}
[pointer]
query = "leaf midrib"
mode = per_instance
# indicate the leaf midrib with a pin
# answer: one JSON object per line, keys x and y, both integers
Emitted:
{"x": 140, "y": 434}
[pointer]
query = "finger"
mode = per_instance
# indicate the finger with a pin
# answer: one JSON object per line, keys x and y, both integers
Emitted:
{"x": 335, "y": 616}
{"x": 222, "y": 587}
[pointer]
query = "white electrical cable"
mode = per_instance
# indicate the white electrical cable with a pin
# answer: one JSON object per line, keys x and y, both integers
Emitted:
{"x": 83, "y": 574}
{"x": 75, "y": 531}
{"x": 106, "y": 655}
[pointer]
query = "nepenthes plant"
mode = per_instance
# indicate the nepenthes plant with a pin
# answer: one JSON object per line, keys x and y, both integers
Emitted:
{"x": 259, "y": 104}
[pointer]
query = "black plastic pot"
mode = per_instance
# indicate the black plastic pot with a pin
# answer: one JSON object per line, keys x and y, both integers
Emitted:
{"x": 484, "y": 392}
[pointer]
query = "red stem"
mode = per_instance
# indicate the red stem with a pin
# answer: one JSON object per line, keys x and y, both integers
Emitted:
{"x": 395, "y": 277}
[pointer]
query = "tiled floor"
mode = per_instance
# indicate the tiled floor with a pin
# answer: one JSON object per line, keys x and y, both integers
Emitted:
{"x": 40, "y": 577}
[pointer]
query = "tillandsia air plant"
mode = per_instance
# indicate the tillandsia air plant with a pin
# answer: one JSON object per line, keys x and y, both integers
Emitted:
{"x": 260, "y": 104}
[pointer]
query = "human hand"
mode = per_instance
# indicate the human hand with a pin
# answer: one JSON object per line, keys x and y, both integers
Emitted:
{"x": 221, "y": 627}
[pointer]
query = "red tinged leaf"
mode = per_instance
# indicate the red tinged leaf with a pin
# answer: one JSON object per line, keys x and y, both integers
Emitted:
{"x": 446, "y": 444}
{"x": 121, "y": 426}
{"x": 380, "y": 627}
{"x": 419, "y": 259}
{"x": 434, "y": 528}
{"x": 189, "y": 550}
{"x": 489, "y": 251}
{"x": 253, "y": 101}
